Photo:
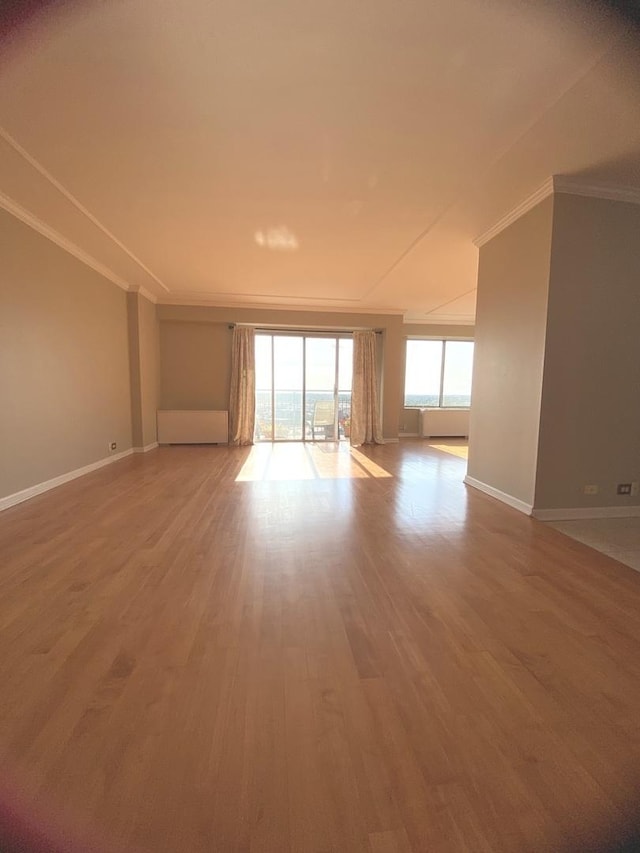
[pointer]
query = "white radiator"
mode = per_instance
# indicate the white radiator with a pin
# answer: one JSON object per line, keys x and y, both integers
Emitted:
{"x": 450, "y": 422}
{"x": 193, "y": 427}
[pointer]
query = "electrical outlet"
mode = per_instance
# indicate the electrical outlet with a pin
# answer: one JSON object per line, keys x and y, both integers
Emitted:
{"x": 624, "y": 488}
{"x": 590, "y": 489}
{"x": 113, "y": 446}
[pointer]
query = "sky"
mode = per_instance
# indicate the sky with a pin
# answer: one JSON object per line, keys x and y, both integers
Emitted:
{"x": 320, "y": 362}
{"x": 424, "y": 364}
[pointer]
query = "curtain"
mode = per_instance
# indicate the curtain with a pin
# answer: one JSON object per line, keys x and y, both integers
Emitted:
{"x": 365, "y": 414}
{"x": 242, "y": 398}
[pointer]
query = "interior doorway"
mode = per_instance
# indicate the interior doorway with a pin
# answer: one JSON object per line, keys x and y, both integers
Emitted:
{"x": 303, "y": 386}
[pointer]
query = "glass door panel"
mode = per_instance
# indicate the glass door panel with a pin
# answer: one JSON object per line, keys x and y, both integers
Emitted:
{"x": 320, "y": 384}
{"x": 345, "y": 377}
{"x": 288, "y": 374}
{"x": 264, "y": 388}
{"x": 303, "y": 387}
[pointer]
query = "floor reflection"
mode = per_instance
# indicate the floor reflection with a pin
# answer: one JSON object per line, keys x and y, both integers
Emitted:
{"x": 308, "y": 461}
{"x": 455, "y": 446}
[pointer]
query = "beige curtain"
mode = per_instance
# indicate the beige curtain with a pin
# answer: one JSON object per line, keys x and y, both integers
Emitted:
{"x": 242, "y": 398}
{"x": 365, "y": 413}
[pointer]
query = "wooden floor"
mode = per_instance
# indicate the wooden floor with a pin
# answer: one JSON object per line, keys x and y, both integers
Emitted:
{"x": 302, "y": 649}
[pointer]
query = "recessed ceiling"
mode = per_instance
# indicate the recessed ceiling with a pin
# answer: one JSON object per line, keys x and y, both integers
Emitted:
{"x": 339, "y": 155}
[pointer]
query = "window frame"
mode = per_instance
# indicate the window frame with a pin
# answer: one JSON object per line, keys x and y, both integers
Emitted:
{"x": 443, "y": 341}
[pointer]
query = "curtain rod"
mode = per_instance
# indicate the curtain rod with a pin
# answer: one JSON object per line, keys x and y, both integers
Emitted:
{"x": 291, "y": 330}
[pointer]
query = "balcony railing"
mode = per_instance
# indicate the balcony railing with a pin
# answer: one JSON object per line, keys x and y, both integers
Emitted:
{"x": 289, "y": 423}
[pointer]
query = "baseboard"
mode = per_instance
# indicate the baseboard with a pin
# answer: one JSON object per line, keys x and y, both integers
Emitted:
{"x": 409, "y": 435}
{"x": 146, "y": 448}
{"x": 443, "y": 435}
{"x": 578, "y": 512}
{"x": 39, "y": 488}
{"x": 516, "y": 503}
{"x": 390, "y": 440}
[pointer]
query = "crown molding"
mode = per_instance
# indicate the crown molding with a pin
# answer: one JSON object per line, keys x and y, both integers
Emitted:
{"x": 150, "y": 297}
{"x": 568, "y": 186}
{"x": 530, "y": 202}
{"x": 45, "y": 230}
{"x": 35, "y": 164}
{"x": 609, "y": 192}
{"x": 269, "y": 304}
{"x": 441, "y": 320}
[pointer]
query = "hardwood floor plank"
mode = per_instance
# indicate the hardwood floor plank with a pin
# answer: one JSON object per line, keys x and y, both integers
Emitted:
{"x": 312, "y": 649}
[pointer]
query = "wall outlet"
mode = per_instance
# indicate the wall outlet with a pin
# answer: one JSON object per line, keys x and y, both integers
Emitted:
{"x": 623, "y": 488}
{"x": 113, "y": 446}
{"x": 590, "y": 489}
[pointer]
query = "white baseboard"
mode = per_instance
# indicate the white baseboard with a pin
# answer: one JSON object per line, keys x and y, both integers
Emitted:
{"x": 39, "y": 488}
{"x": 146, "y": 448}
{"x": 516, "y": 503}
{"x": 390, "y": 440}
{"x": 409, "y": 435}
{"x": 578, "y": 512}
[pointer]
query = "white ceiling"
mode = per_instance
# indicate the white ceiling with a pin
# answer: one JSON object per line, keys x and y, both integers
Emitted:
{"x": 339, "y": 154}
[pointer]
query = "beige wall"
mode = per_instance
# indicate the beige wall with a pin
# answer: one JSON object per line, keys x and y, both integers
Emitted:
{"x": 64, "y": 367}
{"x": 195, "y": 364}
{"x": 513, "y": 280}
{"x": 144, "y": 361}
{"x": 590, "y": 425}
{"x": 135, "y": 383}
{"x": 149, "y": 368}
{"x": 196, "y": 347}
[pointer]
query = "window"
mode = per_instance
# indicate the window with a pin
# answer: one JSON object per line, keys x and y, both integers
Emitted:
{"x": 438, "y": 373}
{"x": 299, "y": 376}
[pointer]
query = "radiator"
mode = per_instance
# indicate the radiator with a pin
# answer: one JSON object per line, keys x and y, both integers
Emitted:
{"x": 450, "y": 422}
{"x": 193, "y": 427}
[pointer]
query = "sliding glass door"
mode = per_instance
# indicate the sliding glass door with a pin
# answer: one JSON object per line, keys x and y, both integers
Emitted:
{"x": 345, "y": 376}
{"x": 303, "y": 386}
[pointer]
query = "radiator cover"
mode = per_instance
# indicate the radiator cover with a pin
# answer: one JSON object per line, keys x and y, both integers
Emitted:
{"x": 444, "y": 422}
{"x": 193, "y": 427}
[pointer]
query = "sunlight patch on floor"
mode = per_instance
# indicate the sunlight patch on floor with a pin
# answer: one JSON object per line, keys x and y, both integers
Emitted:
{"x": 268, "y": 462}
{"x": 368, "y": 464}
{"x": 461, "y": 450}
